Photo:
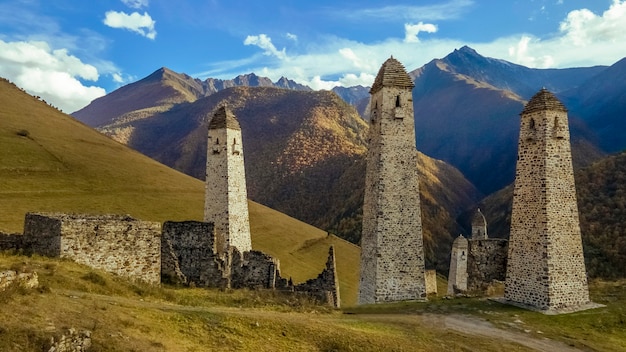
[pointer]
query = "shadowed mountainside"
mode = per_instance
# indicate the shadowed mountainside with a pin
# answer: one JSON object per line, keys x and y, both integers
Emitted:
{"x": 467, "y": 113}
{"x": 601, "y": 190}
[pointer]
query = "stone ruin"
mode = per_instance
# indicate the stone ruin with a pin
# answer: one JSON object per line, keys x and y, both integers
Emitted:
{"x": 189, "y": 257}
{"x": 114, "y": 243}
{"x": 476, "y": 264}
{"x": 175, "y": 253}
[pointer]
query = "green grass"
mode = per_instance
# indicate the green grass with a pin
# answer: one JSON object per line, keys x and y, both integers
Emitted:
{"x": 127, "y": 316}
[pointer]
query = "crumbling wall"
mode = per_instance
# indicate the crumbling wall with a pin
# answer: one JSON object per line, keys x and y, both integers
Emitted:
{"x": 187, "y": 254}
{"x": 116, "y": 244}
{"x": 43, "y": 234}
{"x": 325, "y": 287}
{"x": 10, "y": 241}
{"x": 254, "y": 269}
{"x": 486, "y": 263}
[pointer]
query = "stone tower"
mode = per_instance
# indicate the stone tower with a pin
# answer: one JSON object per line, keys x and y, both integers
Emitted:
{"x": 546, "y": 268}
{"x": 392, "y": 254}
{"x": 226, "y": 201}
{"x": 479, "y": 226}
{"x": 457, "y": 276}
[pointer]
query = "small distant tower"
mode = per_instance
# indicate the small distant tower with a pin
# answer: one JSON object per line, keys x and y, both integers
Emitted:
{"x": 457, "y": 276}
{"x": 479, "y": 226}
{"x": 226, "y": 200}
{"x": 546, "y": 268}
{"x": 392, "y": 253}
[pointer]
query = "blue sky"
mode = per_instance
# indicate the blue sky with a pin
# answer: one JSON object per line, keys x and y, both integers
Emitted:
{"x": 70, "y": 52}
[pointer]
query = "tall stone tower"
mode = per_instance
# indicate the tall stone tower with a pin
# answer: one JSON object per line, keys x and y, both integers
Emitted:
{"x": 479, "y": 226}
{"x": 226, "y": 200}
{"x": 392, "y": 254}
{"x": 546, "y": 268}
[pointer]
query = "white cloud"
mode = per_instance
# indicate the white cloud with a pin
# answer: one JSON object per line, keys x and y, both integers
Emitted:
{"x": 583, "y": 27}
{"x": 264, "y": 42}
{"x": 520, "y": 54}
{"x": 443, "y": 11}
{"x": 583, "y": 39}
{"x": 136, "y": 4}
{"x": 292, "y": 37}
{"x": 52, "y": 74}
{"x": 412, "y": 30}
{"x": 141, "y": 24}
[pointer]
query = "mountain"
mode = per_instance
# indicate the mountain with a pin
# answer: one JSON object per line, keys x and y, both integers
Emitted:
{"x": 467, "y": 109}
{"x": 52, "y": 163}
{"x": 601, "y": 191}
{"x": 163, "y": 89}
{"x": 357, "y": 96}
{"x": 304, "y": 153}
{"x": 600, "y": 102}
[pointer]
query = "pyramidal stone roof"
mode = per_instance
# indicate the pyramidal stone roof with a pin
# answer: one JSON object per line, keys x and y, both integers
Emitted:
{"x": 392, "y": 74}
{"x": 224, "y": 118}
{"x": 479, "y": 219}
{"x": 542, "y": 101}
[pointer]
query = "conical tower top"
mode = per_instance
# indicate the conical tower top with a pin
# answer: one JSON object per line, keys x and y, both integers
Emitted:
{"x": 479, "y": 219}
{"x": 392, "y": 74}
{"x": 224, "y": 118}
{"x": 543, "y": 100}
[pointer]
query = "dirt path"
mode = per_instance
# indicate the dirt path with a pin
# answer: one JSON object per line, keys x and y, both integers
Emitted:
{"x": 475, "y": 326}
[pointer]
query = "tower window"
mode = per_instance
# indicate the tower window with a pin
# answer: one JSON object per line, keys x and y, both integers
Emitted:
{"x": 398, "y": 101}
{"x": 559, "y": 133}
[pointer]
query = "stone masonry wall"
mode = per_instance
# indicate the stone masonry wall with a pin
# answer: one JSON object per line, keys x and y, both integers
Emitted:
{"x": 117, "y": 244}
{"x": 326, "y": 286}
{"x": 255, "y": 270}
{"x": 42, "y": 234}
{"x": 187, "y": 254}
{"x": 486, "y": 263}
{"x": 392, "y": 255}
{"x": 546, "y": 268}
{"x": 11, "y": 241}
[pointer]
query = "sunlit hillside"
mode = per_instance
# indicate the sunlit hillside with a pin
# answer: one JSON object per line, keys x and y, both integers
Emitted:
{"x": 51, "y": 162}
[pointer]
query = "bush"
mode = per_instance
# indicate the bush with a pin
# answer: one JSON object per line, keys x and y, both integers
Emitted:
{"x": 23, "y": 133}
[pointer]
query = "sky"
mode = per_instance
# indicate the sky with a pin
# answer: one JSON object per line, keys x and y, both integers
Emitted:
{"x": 70, "y": 52}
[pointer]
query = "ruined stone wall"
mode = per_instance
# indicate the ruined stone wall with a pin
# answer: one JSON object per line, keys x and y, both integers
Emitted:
{"x": 325, "y": 287}
{"x": 187, "y": 254}
{"x": 546, "y": 268}
{"x": 11, "y": 241}
{"x": 116, "y": 244}
{"x": 392, "y": 257}
{"x": 42, "y": 234}
{"x": 486, "y": 263}
{"x": 255, "y": 270}
{"x": 226, "y": 203}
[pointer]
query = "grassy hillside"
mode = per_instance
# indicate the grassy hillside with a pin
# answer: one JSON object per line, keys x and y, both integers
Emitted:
{"x": 51, "y": 162}
{"x": 125, "y": 316}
